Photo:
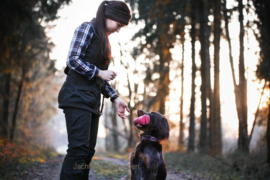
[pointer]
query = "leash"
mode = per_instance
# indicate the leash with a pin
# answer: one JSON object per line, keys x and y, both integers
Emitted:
{"x": 102, "y": 105}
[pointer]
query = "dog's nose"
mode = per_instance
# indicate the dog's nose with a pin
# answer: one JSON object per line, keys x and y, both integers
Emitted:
{"x": 140, "y": 112}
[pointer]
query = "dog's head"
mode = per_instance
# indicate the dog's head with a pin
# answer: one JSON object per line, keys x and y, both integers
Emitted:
{"x": 153, "y": 124}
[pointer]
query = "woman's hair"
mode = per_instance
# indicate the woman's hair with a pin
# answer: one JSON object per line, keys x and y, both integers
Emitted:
{"x": 100, "y": 26}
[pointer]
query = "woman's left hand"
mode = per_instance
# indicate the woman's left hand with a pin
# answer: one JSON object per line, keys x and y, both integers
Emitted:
{"x": 121, "y": 106}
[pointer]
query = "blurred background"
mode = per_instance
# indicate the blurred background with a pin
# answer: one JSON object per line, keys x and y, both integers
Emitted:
{"x": 204, "y": 64}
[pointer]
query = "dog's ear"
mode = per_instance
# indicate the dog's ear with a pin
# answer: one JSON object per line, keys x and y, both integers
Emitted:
{"x": 162, "y": 126}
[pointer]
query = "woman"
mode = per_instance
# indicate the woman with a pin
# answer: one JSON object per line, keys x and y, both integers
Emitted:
{"x": 87, "y": 78}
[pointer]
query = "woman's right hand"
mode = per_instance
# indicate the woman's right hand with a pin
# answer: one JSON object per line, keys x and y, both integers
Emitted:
{"x": 106, "y": 75}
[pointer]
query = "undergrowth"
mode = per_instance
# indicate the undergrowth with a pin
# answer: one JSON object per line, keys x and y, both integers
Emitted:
{"x": 236, "y": 166}
{"x": 17, "y": 157}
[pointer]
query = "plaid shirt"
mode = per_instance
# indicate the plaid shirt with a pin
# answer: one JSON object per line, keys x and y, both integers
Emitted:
{"x": 81, "y": 39}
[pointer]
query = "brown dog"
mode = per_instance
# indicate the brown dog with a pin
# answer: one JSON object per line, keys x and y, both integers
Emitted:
{"x": 146, "y": 161}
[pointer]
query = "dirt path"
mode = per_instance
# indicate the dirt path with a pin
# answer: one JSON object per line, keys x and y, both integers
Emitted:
{"x": 171, "y": 175}
{"x": 50, "y": 171}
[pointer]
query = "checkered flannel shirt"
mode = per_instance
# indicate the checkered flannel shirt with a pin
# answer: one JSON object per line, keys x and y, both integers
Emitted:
{"x": 81, "y": 39}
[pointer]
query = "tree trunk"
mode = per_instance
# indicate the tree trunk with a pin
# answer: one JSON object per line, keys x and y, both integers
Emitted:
{"x": 164, "y": 82}
{"x": 163, "y": 68}
{"x": 107, "y": 131}
{"x": 256, "y": 116}
{"x": 114, "y": 130}
{"x": 216, "y": 137}
{"x": 182, "y": 32}
{"x": 268, "y": 133}
{"x": 4, "y": 123}
{"x": 16, "y": 108}
{"x": 243, "y": 135}
{"x": 262, "y": 10}
{"x": 191, "y": 139}
{"x": 181, "y": 124}
{"x": 204, "y": 40}
{"x": 131, "y": 134}
{"x": 238, "y": 92}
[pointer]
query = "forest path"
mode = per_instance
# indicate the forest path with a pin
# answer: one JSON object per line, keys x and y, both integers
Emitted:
{"x": 50, "y": 170}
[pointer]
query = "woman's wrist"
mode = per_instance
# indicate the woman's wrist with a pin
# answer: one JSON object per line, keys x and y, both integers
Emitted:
{"x": 99, "y": 73}
{"x": 113, "y": 97}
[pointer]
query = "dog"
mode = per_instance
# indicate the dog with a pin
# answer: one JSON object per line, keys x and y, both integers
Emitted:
{"x": 146, "y": 160}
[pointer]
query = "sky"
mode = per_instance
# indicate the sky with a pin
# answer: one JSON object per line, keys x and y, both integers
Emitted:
{"x": 84, "y": 10}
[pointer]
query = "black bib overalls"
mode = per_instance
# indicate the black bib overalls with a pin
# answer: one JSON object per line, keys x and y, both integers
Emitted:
{"x": 80, "y": 100}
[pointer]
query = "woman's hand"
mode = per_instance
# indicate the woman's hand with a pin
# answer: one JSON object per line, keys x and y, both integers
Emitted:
{"x": 106, "y": 75}
{"x": 121, "y": 106}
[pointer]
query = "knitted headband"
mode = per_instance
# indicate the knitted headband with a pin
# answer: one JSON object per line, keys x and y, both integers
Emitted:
{"x": 117, "y": 15}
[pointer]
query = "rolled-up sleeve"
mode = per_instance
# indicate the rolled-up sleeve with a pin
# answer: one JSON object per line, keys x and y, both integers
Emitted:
{"x": 108, "y": 91}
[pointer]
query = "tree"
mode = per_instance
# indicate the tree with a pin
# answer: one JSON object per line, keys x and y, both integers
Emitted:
{"x": 157, "y": 38}
{"x": 133, "y": 98}
{"x": 240, "y": 90}
{"x": 263, "y": 68}
{"x": 18, "y": 53}
{"x": 205, "y": 71}
{"x": 215, "y": 136}
{"x": 191, "y": 139}
{"x": 242, "y": 87}
{"x": 182, "y": 40}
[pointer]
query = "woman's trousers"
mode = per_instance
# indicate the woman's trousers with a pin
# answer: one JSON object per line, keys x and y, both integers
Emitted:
{"x": 82, "y": 130}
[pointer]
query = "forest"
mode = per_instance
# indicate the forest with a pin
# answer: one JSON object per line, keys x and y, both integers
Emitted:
{"x": 203, "y": 64}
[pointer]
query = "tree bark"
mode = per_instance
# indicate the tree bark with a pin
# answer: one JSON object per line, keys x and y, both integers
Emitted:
{"x": 191, "y": 139}
{"x": 204, "y": 40}
{"x": 262, "y": 10}
{"x": 16, "y": 108}
{"x": 243, "y": 135}
{"x": 216, "y": 136}
{"x": 237, "y": 88}
{"x": 131, "y": 133}
{"x": 4, "y": 123}
{"x": 182, "y": 32}
{"x": 268, "y": 134}
{"x": 181, "y": 124}
{"x": 256, "y": 116}
{"x": 114, "y": 130}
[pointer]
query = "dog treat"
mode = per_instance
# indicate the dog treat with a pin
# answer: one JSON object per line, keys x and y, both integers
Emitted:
{"x": 142, "y": 120}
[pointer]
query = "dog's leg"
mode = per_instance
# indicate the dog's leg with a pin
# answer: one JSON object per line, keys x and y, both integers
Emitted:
{"x": 162, "y": 169}
{"x": 139, "y": 169}
{"x": 149, "y": 165}
{"x": 162, "y": 172}
{"x": 138, "y": 172}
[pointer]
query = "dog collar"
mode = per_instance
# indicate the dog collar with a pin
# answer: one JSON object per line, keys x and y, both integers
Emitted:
{"x": 149, "y": 138}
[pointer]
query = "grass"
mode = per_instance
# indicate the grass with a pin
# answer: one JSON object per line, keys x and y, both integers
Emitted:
{"x": 236, "y": 166}
{"x": 105, "y": 169}
{"x": 121, "y": 156}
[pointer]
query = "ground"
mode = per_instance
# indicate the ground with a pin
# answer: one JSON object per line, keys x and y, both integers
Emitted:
{"x": 102, "y": 168}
